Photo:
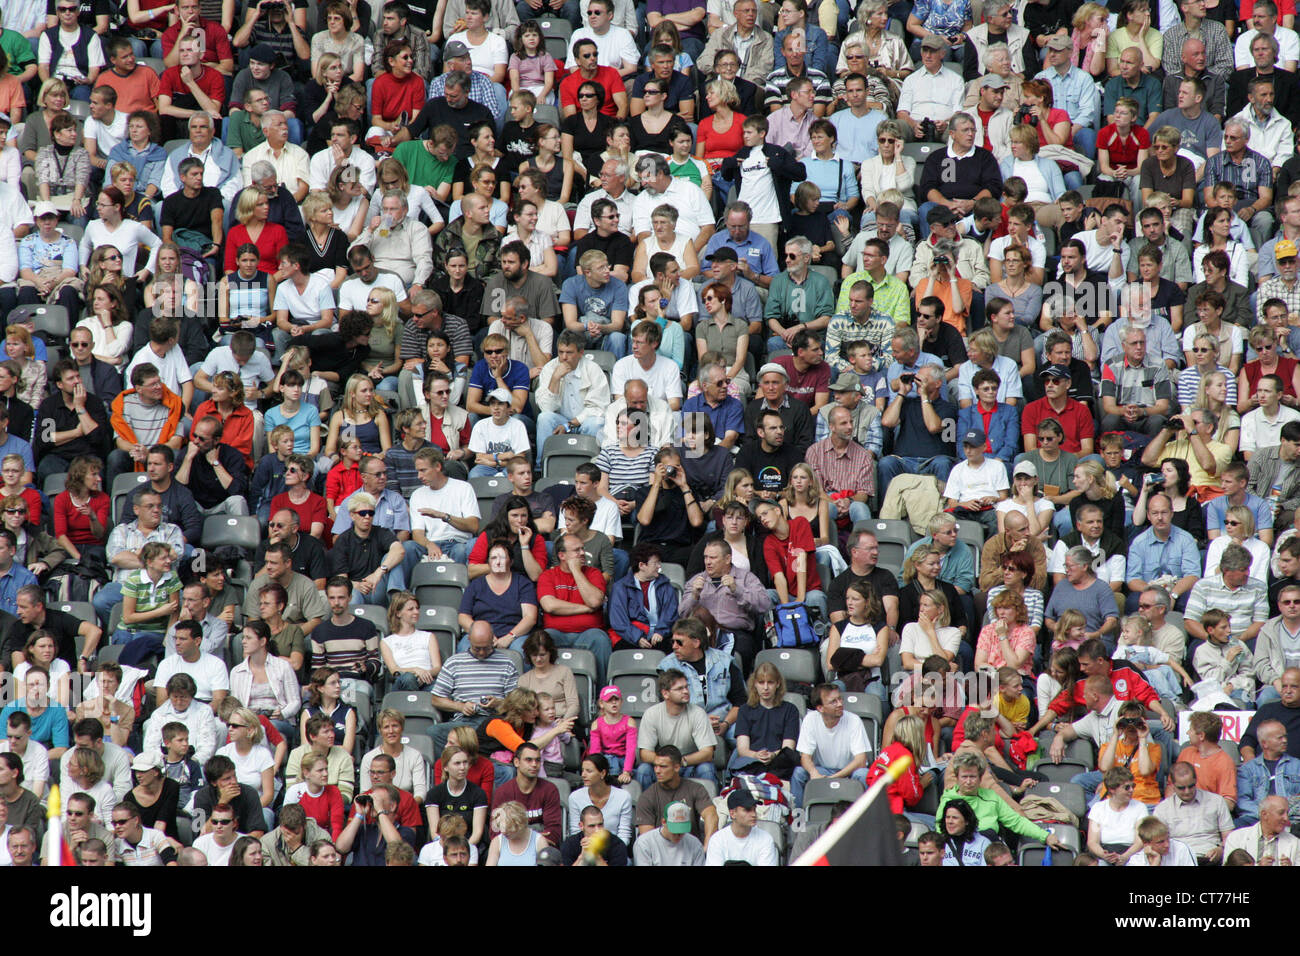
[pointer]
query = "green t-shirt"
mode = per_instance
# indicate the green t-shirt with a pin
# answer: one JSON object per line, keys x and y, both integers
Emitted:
{"x": 686, "y": 170}
{"x": 241, "y": 133}
{"x": 424, "y": 168}
{"x": 17, "y": 50}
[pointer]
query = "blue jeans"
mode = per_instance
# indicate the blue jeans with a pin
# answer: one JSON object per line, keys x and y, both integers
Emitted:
{"x": 406, "y": 681}
{"x": 615, "y": 343}
{"x": 548, "y": 422}
{"x": 462, "y": 647}
{"x": 1164, "y": 680}
{"x": 645, "y": 773}
{"x": 801, "y": 777}
{"x": 394, "y": 580}
{"x": 457, "y": 551}
{"x": 893, "y": 465}
{"x": 622, "y": 563}
{"x": 594, "y": 640}
{"x": 486, "y": 471}
{"x": 858, "y": 511}
{"x": 105, "y": 599}
{"x": 1266, "y": 695}
{"x": 1085, "y": 141}
{"x": 570, "y": 11}
{"x": 1090, "y": 781}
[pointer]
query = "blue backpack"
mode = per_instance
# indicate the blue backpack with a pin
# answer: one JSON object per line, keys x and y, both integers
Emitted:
{"x": 793, "y": 626}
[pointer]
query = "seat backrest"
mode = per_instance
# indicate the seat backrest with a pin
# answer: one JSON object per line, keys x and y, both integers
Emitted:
{"x": 632, "y": 661}
{"x": 410, "y": 703}
{"x": 243, "y": 531}
{"x": 439, "y": 583}
{"x": 820, "y": 797}
{"x": 640, "y": 692}
{"x": 794, "y": 663}
{"x": 376, "y": 615}
{"x": 421, "y": 744}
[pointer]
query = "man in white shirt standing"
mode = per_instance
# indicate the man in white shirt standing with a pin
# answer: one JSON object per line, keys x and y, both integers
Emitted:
{"x": 742, "y": 842}
{"x": 615, "y": 46}
{"x": 977, "y": 484}
{"x": 831, "y": 743}
{"x": 444, "y": 511}
{"x": 660, "y": 373}
{"x": 209, "y": 672}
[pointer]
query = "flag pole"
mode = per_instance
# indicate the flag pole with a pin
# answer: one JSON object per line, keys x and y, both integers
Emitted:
{"x": 815, "y": 854}
{"x": 54, "y": 830}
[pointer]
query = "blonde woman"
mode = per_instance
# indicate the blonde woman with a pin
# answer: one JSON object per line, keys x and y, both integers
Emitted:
{"x": 1212, "y": 395}
{"x": 1239, "y": 528}
{"x": 253, "y": 210}
{"x": 325, "y": 83}
{"x": 804, "y": 498}
{"x": 351, "y": 204}
{"x": 109, "y": 324}
{"x": 31, "y": 382}
{"x": 515, "y": 844}
{"x": 931, "y": 633}
{"x": 326, "y": 242}
{"x": 739, "y": 487}
{"x": 1091, "y": 31}
{"x": 364, "y": 415}
{"x": 885, "y": 52}
{"x": 51, "y": 100}
{"x": 1096, "y": 486}
{"x": 411, "y": 655}
{"x": 385, "y": 338}
{"x": 889, "y": 169}
{"x": 254, "y": 763}
{"x": 85, "y": 773}
{"x": 168, "y": 265}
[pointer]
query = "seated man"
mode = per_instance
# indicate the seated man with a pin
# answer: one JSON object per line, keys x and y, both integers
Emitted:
{"x": 1243, "y": 598}
{"x": 1196, "y": 817}
{"x": 370, "y": 556}
{"x": 1190, "y": 436}
{"x": 214, "y": 472}
{"x": 472, "y": 685}
{"x": 831, "y": 743}
{"x": 675, "y": 722}
{"x": 1157, "y": 847}
{"x": 1274, "y": 771}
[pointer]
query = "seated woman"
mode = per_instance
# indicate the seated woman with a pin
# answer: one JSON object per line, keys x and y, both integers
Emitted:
{"x": 665, "y": 238}
{"x": 1113, "y": 822}
{"x": 804, "y": 498}
{"x": 81, "y": 511}
{"x": 920, "y": 576}
{"x": 513, "y": 524}
{"x": 1267, "y": 361}
{"x": 503, "y": 599}
{"x": 888, "y": 169}
{"x": 1053, "y": 126}
{"x": 325, "y": 699}
{"x": 1122, "y": 148}
{"x": 410, "y": 654}
{"x": 625, "y": 464}
{"x": 63, "y": 171}
{"x": 930, "y": 634}
{"x": 109, "y": 322}
{"x": 20, "y": 348}
{"x": 767, "y": 726}
{"x": 1017, "y": 570}
{"x": 1174, "y": 481}
{"x": 298, "y": 497}
{"x": 1009, "y": 641}
{"x": 545, "y": 676}
{"x": 237, "y": 419}
{"x": 990, "y": 810}
{"x": 1212, "y": 395}
{"x": 856, "y": 650}
{"x": 1042, "y": 176}
{"x": 1239, "y": 528}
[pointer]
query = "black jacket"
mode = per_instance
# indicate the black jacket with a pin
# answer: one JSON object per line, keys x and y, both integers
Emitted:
{"x": 800, "y": 429}
{"x": 964, "y": 179}
{"x": 785, "y": 169}
{"x": 101, "y": 380}
{"x": 193, "y": 339}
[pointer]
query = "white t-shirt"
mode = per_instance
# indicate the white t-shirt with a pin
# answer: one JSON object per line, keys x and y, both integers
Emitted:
{"x": 683, "y": 302}
{"x": 1043, "y": 506}
{"x": 1037, "y": 250}
{"x": 36, "y": 762}
{"x": 1121, "y": 826}
{"x": 305, "y": 307}
{"x": 455, "y": 497}
{"x": 66, "y": 68}
{"x": 209, "y": 674}
{"x": 410, "y": 650}
{"x": 1234, "y": 331}
{"x": 1258, "y": 432}
{"x": 914, "y": 641}
{"x": 608, "y": 520}
{"x": 172, "y": 367}
{"x": 431, "y": 854}
{"x": 664, "y": 380}
{"x": 484, "y": 57}
{"x": 757, "y": 848}
{"x": 353, "y": 292}
{"x": 249, "y": 768}
{"x": 254, "y": 373}
{"x": 615, "y": 47}
{"x": 217, "y": 855}
{"x": 758, "y": 189}
{"x": 1113, "y": 570}
{"x": 966, "y": 481}
{"x": 493, "y": 439}
{"x": 835, "y": 747}
{"x": 1288, "y": 46}
{"x": 860, "y": 637}
{"x": 106, "y": 136}
{"x": 552, "y": 220}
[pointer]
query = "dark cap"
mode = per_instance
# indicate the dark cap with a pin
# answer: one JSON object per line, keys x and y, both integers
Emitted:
{"x": 1056, "y": 371}
{"x": 941, "y": 215}
{"x": 741, "y": 797}
{"x": 724, "y": 254}
{"x": 263, "y": 53}
{"x": 974, "y": 437}
{"x": 454, "y": 49}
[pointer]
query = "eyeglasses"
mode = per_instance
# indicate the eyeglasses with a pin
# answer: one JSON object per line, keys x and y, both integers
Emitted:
{"x": 420, "y": 315}
{"x": 1271, "y": 346}
{"x": 237, "y": 726}
{"x": 591, "y": 96}
{"x": 15, "y": 511}
{"x": 228, "y": 821}
{"x": 791, "y": 255}
{"x": 112, "y": 258}
{"x": 1289, "y": 601}
{"x": 678, "y": 642}
{"x": 120, "y": 823}
{"x": 440, "y": 392}
{"x": 365, "y": 513}
{"x": 80, "y": 345}
{"x": 76, "y": 813}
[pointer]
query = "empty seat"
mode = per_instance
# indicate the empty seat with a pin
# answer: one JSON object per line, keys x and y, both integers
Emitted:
{"x": 634, "y": 661}
{"x": 972, "y": 532}
{"x": 109, "y": 652}
{"x": 583, "y": 664}
{"x": 821, "y": 795}
{"x": 794, "y": 663}
{"x": 50, "y": 320}
{"x": 421, "y": 744}
{"x": 123, "y": 487}
{"x": 242, "y": 531}
{"x": 442, "y": 621}
{"x": 676, "y": 574}
{"x": 1070, "y": 794}
{"x": 439, "y": 583}
{"x": 410, "y": 703}
{"x": 556, "y": 27}
{"x": 487, "y": 490}
{"x": 640, "y": 692}
{"x": 373, "y": 613}
{"x": 562, "y": 454}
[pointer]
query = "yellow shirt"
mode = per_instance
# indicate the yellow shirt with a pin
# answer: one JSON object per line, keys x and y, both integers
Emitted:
{"x": 1015, "y": 711}
{"x": 1182, "y": 448}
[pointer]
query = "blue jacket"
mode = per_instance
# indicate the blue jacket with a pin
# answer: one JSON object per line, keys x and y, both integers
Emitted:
{"x": 1252, "y": 785}
{"x": 148, "y": 165}
{"x": 1003, "y": 433}
{"x": 1051, "y": 173}
{"x": 717, "y": 679}
{"x": 820, "y": 56}
{"x": 627, "y": 604}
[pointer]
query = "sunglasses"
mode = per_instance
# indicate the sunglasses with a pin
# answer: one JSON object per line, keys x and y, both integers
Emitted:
{"x": 365, "y": 513}
{"x": 493, "y": 351}
{"x": 591, "y": 96}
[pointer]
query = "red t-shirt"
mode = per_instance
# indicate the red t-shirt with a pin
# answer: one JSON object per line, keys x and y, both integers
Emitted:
{"x": 1123, "y": 152}
{"x": 780, "y": 557}
{"x": 309, "y": 512}
{"x": 1128, "y": 686}
{"x": 606, "y": 76}
{"x": 805, "y": 385}
{"x": 1285, "y": 8}
{"x": 1075, "y": 419}
{"x": 69, "y": 521}
{"x": 987, "y": 144}
{"x": 722, "y": 145}
{"x": 212, "y": 83}
{"x": 408, "y": 811}
{"x": 236, "y": 429}
{"x": 270, "y": 241}
{"x": 559, "y": 583}
{"x": 216, "y": 44}
{"x": 478, "y": 554}
{"x": 390, "y": 97}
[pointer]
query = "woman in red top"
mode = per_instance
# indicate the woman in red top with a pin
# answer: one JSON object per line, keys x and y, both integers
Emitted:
{"x": 720, "y": 133}
{"x": 1122, "y": 148}
{"x": 1053, "y": 124}
{"x": 1264, "y": 341}
{"x": 269, "y": 237}
{"x": 344, "y": 478}
{"x": 399, "y": 93}
{"x": 12, "y": 469}
{"x": 513, "y": 523}
{"x": 297, "y": 497}
{"x": 907, "y": 790}
{"x": 81, "y": 510}
{"x": 227, "y": 403}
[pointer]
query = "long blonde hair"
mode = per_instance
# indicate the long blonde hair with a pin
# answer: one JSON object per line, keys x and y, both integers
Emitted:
{"x": 910, "y": 732}
{"x": 350, "y": 407}
{"x": 387, "y": 317}
{"x": 815, "y": 491}
{"x": 734, "y": 477}
{"x": 1100, "y": 477}
{"x": 1203, "y": 401}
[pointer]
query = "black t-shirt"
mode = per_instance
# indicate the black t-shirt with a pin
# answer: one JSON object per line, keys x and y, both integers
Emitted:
{"x": 884, "y": 583}
{"x": 329, "y": 353}
{"x": 618, "y": 248}
{"x": 437, "y": 111}
{"x": 766, "y": 727}
{"x": 62, "y": 626}
{"x": 669, "y": 524}
{"x": 308, "y": 559}
{"x": 357, "y": 557}
{"x": 181, "y": 212}
{"x": 614, "y": 854}
{"x": 516, "y": 145}
{"x": 947, "y": 345}
{"x": 461, "y": 806}
{"x": 247, "y": 807}
{"x": 771, "y": 471}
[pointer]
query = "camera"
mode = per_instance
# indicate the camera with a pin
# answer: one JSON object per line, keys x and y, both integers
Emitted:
{"x": 1026, "y": 114}
{"x": 671, "y": 471}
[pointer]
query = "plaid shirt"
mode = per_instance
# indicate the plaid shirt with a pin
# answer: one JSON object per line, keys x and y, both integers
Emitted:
{"x": 1219, "y": 57}
{"x": 849, "y": 470}
{"x": 129, "y": 537}
{"x": 1248, "y": 176}
{"x": 878, "y": 330}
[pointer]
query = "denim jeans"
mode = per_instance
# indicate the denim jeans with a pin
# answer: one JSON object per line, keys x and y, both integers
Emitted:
{"x": 592, "y": 639}
{"x": 615, "y": 343}
{"x": 1090, "y": 781}
{"x": 408, "y": 681}
{"x": 548, "y": 422}
{"x": 569, "y": 11}
{"x": 457, "y": 551}
{"x": 105, "y": 599}
{"x": 893, "y": 465}
{"x": 1266, "y": 695}
{"x": 645, "y": 774}
{"x": 486, "y": 471}
{"x": 394, "y": 580}
{"x": 799, "y": 780}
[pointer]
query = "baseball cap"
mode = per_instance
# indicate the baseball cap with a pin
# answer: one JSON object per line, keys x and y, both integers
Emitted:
{"x": 940, "y": 215}
{"x": 773, "y": 367}
{"x": 1055, "y": 371}
{"x": 678, "y": 817}
{"x": 610, "y": 692}
{"x": 1059, "y": 42}
{"x": 1025, "y": 468}
{"x": 550, "y": 856}
{"x": 262, "y": 53}
{"x": 44, "y": 209}
{"x": 146, "y": 761}
{"x": 454, "y": 49}
{"x": 499, "y": 395}
{"x": 975, "y": 436}
{"x": 724, "y": 254}
{"x": 933, "y": 41}
{"x": 994, "y": 82}
{"x": 741, "y": 797}
{"x": 1285, "y": 249}
{"x": 847, "y": 382}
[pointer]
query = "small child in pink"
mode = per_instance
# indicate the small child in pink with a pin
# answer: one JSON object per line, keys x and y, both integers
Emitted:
{"x": 613, "y": 734}
{"x": 551, "y": 736}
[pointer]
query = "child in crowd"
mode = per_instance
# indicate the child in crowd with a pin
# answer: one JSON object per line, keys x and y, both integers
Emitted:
{"x": 345, "y": 477}
{"x": 497, "y": 439}
{"x": 551, "y": 735}
{"x": 531, "y": 68}
{"x": 179, "y": 762}
{"x": 519, "y": 136}
{"x": 1155, "y": 665}
{"x": 613, "y": 734}
{"x": 1225, "y": 660}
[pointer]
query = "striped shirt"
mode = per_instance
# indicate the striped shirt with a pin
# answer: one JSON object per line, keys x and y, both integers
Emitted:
{"x": 149, "y": 596}
{"x": 249, "y": 297}
{"x": 414, "y": 338}
{"x": 1245, "y": 605}
{"x": 464, "y": 677}
{"x": 352, "y": 648}
{"x": 152, "y": 850}
{"x": 849, "y": 470}
{"x": 625, "y": 472}
{"x": 1189, "y": 380}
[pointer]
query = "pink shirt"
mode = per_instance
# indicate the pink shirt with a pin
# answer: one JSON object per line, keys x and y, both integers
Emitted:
{"x": 619, "y": 738}
{"x": 1022, "y": 639}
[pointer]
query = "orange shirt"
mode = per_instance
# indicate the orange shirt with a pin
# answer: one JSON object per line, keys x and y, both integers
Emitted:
{"x": 1216, "y": 772}
{"x": 1146, "y": 789}
{"x": 943, "y": 291}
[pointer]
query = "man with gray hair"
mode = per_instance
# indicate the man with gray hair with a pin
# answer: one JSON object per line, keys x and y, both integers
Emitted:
{"x": 799, "y": 299}
{"x": 958, "y": 175}
{"x": 926, "y": 427}
{"x": 658, "y": 186}
{"x": 1154, "y": 604}
{"x": 195, "y": 207}
{"x": 572, "y": 391}
{"x": 613, "y": 187}
{"x": 1243, "y": 598}
{"x": 931, "y": 95}
{"x": 1270, "y": 131}
{"x": 530, "y": 338}
{"x": 1249, "y": 173}
{"x": 455, "y": 105}
{"x": 726, "y": 412}
{"x": 398, "y": 243}
{"x": 220, "y": 165}
{"x": 291, "y": 163}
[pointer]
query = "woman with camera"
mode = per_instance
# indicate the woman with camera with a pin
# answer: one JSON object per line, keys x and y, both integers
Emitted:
{"x": 1052, "y": 125}
{"x": 1173, "y": 480}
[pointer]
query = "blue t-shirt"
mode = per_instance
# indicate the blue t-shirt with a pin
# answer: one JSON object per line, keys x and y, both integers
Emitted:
{"x": 49, "y": 729}
{"x": 13, "y": 445}
{"x": 516, "y": 376}
{"x": 729, "y": 416}
{"x": 609, "y": 298}
{"x": 301, "y": 423}
{"x": 501, "y": 611}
